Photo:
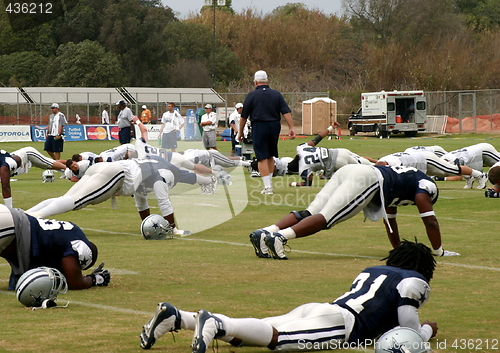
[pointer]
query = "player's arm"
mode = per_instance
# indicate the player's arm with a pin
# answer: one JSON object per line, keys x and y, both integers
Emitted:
{"x": 323, "y": 134}
{"x": 392, "y": 213}
{"x": 6, "y": 192}
{"x": 142, "y": 128}
{"x": 424, "y": 204}
{"x": 408, "y": 317}
{"x": 72, "y": 271}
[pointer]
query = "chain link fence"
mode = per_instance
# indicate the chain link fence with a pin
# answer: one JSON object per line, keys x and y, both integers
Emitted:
{"x": 466, "y": 111}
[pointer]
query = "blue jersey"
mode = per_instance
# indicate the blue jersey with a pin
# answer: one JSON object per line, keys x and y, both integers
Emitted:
{"x": 150, "y": 172}
{"x": 375, "y": 296}
{"x": 52, "y": 240}
{"x": 3, "y": 155}
{"x": 402, "y": 184}
{"x": 264, "y": 104}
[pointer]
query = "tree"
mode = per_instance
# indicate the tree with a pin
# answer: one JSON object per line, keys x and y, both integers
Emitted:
{"x": 21, "y": 68}
{"x": 85, "y": 64}
{"x": 135, "y": 32}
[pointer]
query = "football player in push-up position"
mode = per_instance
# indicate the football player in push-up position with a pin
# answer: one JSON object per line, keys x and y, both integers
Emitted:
{"x": 19, "y": 162}
{"x": 475, "y": 157}
{"x": 376, "y": 190}
{"x": 27, "y": 242}
{"x": 380, "y": 298}
{"x": 494, "y": 178}
{"x": 137, "y": 177}
{"x": 432, "y": 165}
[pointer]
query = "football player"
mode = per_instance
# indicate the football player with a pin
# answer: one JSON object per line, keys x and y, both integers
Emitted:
{"x": 494, "y": 178}
{"x": 432, "y": 165}
{"x": 437, "y": 150}
{"x": 137, "y": 177}
{"x": 375, "y": 190}
{"x": 380, "y": 298}
{"x": 475, "y": 156}
{"x": 28, "y": 242}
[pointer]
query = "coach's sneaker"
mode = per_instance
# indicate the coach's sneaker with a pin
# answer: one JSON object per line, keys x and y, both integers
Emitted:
{"x": 257, "y": 240}
{"x": 481, "y": 181}
{"x": 207, "y": 328}
{"x": 470, "y": 182}
{"x": 267, "y": 191}
{"x": 165, "y": 319}
{"x": 276, "y": 245}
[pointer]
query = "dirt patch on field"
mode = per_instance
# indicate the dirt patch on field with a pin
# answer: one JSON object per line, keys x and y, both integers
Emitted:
{"x": 480, "y": 123}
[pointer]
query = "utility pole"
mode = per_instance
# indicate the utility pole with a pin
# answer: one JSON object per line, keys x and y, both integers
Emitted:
{"x": 214, "y": 4}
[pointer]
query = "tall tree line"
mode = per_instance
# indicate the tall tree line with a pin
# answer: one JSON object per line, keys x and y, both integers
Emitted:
{"x": 372, "y": 45}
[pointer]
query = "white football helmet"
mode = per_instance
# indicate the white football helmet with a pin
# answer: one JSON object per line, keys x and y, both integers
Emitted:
{"x": 155, "y": 227}
{"x": 48, "y": 176}
{"x": 40, "y": 286}
{"x": 402, "y": 340}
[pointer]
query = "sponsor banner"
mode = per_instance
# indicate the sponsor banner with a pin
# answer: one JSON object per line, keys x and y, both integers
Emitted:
{"x": 74, "y": 133}
{"x": 113, "y": 132}
{"x": 97, "y": 132}
{"x": 39, "y": 133}
{"x": 12, "y": 133}
{"x": 153, "y": 131}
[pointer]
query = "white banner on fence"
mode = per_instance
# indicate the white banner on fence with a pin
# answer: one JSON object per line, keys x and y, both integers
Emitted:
{"x": 13, "y": 133}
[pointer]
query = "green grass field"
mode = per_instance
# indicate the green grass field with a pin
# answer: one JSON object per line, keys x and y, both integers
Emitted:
{"x": 216, "y": 268}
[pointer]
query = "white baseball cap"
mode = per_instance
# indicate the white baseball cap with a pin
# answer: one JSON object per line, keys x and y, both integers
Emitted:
{"x": 208, "y": 106}
{"x": 54, "y": 105}
{"x": 238, "y": 105}
{"x": 144, "y": 107}
{"x": 260, "y": 75}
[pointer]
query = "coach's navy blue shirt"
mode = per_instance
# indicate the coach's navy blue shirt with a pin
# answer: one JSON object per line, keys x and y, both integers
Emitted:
{"x": 264, "y": 104}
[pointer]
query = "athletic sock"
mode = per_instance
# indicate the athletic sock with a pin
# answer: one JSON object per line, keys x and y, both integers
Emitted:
{"x": 267, "y": 181}
{"x": 288, "y": 233}
{"x": 253, "y": 332}
{"x": 188, "y": 321}
{"x": 272, "y": 228}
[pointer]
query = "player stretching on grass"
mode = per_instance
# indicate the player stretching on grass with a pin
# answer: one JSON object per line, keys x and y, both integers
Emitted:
{"x": 380, "y": 298}
{"x": 376, "y": 190}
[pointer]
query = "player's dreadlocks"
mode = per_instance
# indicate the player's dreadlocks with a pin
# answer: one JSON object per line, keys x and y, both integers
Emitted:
{"x": 414, "y": 256}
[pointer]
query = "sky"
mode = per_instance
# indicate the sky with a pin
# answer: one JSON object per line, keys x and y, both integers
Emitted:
{"x": 185, "y": 7}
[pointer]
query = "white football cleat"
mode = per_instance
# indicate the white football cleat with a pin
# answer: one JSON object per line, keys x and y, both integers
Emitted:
{"x": 482, "y": 181}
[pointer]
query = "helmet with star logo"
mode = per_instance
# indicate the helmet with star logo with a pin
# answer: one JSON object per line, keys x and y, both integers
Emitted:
{"x": 40, "y": 286}
{"x": 401, "y": 340}
{"x": 155, "y": 227}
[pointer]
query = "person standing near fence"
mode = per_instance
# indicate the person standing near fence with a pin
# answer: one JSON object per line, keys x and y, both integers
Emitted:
{"x": 54, "y": 143}
{"x": 171, "y": 123}
{"x": 209, "y": 124}
{"x": 264, "y": 107}
{"x": 124, "y": 121}
{"x": 105, "y": 116}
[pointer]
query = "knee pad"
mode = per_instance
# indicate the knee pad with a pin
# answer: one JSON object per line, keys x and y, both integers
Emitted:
{"x": 300, "y": 215}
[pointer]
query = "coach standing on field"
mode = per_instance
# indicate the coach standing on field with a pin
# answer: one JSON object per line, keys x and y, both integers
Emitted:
{"x": 264, "y": 106}
{"x": 124, "y": 121}
{"x": 54, "y": 143}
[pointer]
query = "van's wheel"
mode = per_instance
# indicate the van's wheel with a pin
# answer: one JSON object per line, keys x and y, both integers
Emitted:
{"x": 376, "y": 130}
{"x": 352, "y": 130}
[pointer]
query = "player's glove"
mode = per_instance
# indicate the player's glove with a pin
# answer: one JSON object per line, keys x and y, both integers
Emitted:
{"x": 491, "y": 193}
{"x": 100, "y": 277}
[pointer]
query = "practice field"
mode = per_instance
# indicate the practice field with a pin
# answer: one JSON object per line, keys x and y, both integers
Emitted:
{"x": 216, "y": 268}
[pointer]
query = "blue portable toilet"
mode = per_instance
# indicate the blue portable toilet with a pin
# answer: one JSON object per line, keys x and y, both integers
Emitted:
{"x": 191, "y": 125}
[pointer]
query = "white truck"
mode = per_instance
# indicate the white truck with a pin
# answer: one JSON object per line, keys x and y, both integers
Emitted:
{"x": 386, "y": 113}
